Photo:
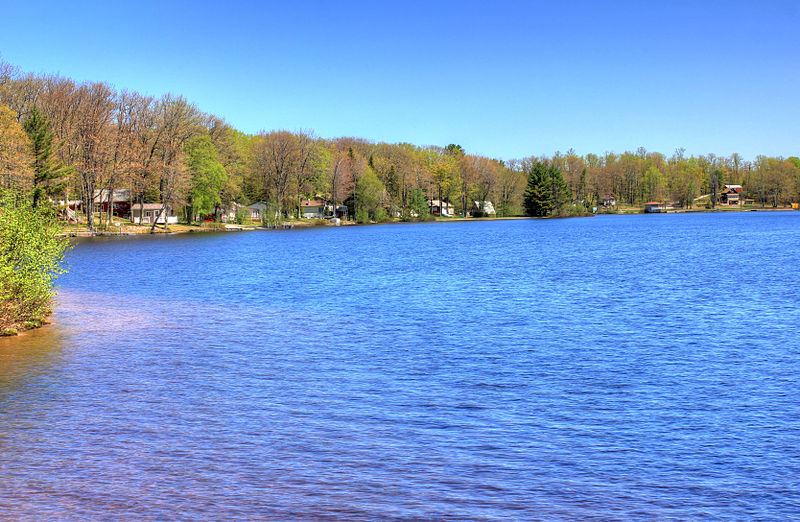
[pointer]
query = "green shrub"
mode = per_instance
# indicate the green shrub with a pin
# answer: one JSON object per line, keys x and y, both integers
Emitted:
{"x": 242, "y": 216}
{"x": 362, "y": 216}
{"x": 381, "y": 215}
{"x": 31, "y": 253}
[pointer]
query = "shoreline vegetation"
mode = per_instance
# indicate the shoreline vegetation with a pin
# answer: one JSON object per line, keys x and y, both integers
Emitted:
{"x": 31, "y": 253}
{"x": 100, "y": 154}
{"x": 100, "y": 161}
{"x": 135, "y": 230}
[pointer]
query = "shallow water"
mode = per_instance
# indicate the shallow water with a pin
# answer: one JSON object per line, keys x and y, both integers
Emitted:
{"x": 612, "y": 367}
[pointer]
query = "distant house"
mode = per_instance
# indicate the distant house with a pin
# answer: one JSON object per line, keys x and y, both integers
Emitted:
{"x": 482, "y": 208}
{"x": 312, "y": 208}
{"x": 120, "y": 202}
{"x": 609, "y": 200}
{"x": 341, "y": 212}
{"x": 223, "y": 213}
{"x": 227, "y": 214}
{"x": 257, "y": 210}
{"x": 654, "y": 207}
{"x": 146, "y": 213}
{"x": 731, "y": 195}
{"x": 440, "y": 208}
{"x": 120, "y": 199}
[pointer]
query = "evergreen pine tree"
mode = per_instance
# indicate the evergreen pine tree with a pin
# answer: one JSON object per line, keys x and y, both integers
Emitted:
{"x": 537, "y": 193}
{"x": 546, "y": 192}
{"x": 46, "y": 170}
{"x": 559, "y": 190}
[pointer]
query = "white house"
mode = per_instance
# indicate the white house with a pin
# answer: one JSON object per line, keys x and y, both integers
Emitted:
{"x": 146, "y": 213}
{"x": 312, "y": 208}
{"x": 257, "y": 210}
{"x": 440, "y": 208}
{"x": 484, "y": 207}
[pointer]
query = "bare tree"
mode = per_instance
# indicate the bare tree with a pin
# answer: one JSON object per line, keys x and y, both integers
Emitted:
{"x": 277, "y": 157}
{"x": 176, "y": 121}
{"x": 95, "y": 106}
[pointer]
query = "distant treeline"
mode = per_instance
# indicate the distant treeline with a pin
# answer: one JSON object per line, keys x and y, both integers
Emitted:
{"x": 60, "y": 139}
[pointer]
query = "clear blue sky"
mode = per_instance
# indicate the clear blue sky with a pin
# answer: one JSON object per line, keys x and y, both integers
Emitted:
{"x": 505, "y": 79}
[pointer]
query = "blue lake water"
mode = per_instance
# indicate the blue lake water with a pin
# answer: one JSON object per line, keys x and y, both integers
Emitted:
{"x": 615, "y": 367}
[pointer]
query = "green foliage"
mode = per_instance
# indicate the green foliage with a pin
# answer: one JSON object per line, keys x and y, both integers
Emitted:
{"x": 208, "y": 174}
{"x": 362, "y": 216}
{"x": 546, "y": 191}
{"x": 381, "y": 215}
{"x": 538, "y": 200}
{"x": 31, "y": 253}
{"x": 48, "y": 174}
{"x": 270, "y": 215}
{"x": 370, "y": 192}
{"x": 242, "y": 215}
{"x": 574, "y": 210}
{"x": 418, "y": 205}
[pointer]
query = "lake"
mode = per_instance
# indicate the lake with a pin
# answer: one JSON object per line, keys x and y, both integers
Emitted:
{"x": 613, "y": 367}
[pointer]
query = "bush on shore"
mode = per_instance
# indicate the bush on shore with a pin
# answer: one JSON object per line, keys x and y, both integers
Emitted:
{"x": 31, "y": 255}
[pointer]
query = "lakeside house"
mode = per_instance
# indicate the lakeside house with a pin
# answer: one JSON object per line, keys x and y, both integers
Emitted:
{"x": 340, "y": 212}
{"x": 312, "y": 208}
{"x": 120, "y": 201}
{"x": 482, "y": 208}
{"x": 223, "y": 213}
{"x": 257, "y": 210}
{"x": 654, "y": 207}
{"x": 146, "y": 213}
{"x": 609, "y": 200}
{"x": 731, "y": 195}
{"x": 440, "y": 208}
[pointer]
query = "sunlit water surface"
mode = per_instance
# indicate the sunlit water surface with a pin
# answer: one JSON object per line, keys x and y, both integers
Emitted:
{"x": 613, "y": 367}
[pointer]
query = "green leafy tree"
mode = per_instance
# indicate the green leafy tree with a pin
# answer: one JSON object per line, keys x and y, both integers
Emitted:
{"x": 370, "y": 192}
{"x": 31, "y": 252}
{"x": 418, "y": 205}
{"x": 49, "y": 175}
{"x": 208, "y": 175}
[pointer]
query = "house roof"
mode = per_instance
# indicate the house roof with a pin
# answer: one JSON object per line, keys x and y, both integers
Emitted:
{"x": 119, "y": 195}
{"x": 653, "y": 203}
{"x": 486, "y": 206}
{"x": 147, "y": 206}
{"x": 312, "y": 203}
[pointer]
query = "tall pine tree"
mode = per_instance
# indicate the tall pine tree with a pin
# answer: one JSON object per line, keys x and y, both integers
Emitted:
{"x": 537, "y": 198}
{"x": 48, "y": 174}
{"x": 546, "y": 191}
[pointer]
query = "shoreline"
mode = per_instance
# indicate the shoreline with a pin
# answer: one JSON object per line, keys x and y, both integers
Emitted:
{"x": 289, "y": 225}
{"x": 134, "y": 230}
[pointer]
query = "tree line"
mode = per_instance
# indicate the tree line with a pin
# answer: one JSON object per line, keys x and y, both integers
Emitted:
{"x": 60, "y": 139}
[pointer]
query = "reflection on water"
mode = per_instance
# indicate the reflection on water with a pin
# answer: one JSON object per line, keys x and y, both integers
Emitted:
{"x": 615, "y": 367}
{"x": 25, "y": 358}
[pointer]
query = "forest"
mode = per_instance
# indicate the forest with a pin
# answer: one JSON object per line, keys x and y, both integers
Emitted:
{"x": 63, "y": 140}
